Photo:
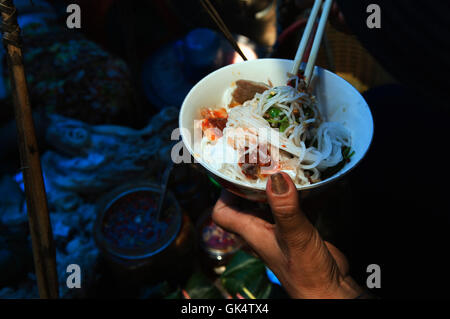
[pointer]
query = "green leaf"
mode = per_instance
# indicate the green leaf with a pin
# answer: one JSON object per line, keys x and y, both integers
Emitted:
{"x": 200, "y": 287}
{"x": 273, "y": 121}
{"x": 197, "y": 287}
{"x": 345, "y": 151}
{"x": 284, "y": 124}
{"x": 271, "y": 95}
{"x": 249, "y": 272}
{"x": 274, "y": 112}
{"x": 175, "y": 295}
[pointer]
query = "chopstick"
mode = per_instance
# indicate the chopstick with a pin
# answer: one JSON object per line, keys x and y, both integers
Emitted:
{"x": 305, "y": 36}
{"x": 317, "y": 38}
{"x": 219, "y": 22}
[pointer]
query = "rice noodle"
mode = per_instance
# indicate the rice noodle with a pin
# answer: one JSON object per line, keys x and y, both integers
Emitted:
{"x": 317, "y": 143}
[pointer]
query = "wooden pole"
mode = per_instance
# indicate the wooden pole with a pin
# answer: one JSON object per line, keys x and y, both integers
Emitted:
{"x": 38, "y": 217}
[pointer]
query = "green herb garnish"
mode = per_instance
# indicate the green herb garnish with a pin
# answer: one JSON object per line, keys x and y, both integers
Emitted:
{"x": 272, "y": 94}
{"x": 330, "y": 171}
{"x": 346, "y": 152}
{"x": 284, "y": 124}
{"x": 274, "y": 112}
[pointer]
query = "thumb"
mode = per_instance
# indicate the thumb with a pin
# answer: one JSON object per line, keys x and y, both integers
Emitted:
{"x": 292, "y": 226}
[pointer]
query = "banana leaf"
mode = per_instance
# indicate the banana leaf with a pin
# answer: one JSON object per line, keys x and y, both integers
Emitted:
{"x": 246, "y": 271}
{"x": 198, "y": 287}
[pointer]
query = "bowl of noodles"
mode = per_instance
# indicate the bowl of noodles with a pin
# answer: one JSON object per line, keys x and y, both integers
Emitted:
{"x": 252, "y": 119}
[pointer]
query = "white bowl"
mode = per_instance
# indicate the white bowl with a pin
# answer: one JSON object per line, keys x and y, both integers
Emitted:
{"x": 338, "y": 100}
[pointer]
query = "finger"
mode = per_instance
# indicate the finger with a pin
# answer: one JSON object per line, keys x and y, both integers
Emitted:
{"x": 291, "y": 223}
{"x": 258, "y": 233}
{"x": 339, "y": 257}
{"x": 227, "y": 200}
{"x": 229, "y": 216}
{"x": 236, "y": 202}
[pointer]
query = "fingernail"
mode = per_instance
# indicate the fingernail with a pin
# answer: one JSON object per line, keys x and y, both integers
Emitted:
{"x": 279, "y": 185}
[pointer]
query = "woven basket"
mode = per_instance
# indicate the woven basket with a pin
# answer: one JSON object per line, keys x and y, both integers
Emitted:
{"x": 343, "y": 54}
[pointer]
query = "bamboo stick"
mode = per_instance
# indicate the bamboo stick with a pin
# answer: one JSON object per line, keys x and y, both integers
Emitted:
{"x": 38, "y": 217}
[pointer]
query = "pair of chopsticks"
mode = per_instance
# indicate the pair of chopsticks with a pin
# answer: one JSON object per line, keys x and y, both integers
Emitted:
{"x": 317, "y": 38}
{"x": 221, "y": 25}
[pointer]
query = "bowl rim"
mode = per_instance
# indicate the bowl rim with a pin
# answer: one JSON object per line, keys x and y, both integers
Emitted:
{"x": 243, "y": 184}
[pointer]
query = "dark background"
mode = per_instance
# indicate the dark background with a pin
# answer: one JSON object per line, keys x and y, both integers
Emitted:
{"x": 394, "y": 208}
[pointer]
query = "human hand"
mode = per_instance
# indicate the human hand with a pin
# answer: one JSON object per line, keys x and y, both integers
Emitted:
{"x": 292, "y": 248}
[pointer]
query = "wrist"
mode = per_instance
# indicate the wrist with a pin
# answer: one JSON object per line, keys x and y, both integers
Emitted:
{"x": 345, "y": 288}
{"x": 348, "y": 289}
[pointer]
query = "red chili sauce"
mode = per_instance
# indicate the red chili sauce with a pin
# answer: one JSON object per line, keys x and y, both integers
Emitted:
{"x": 216, "y": 118}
